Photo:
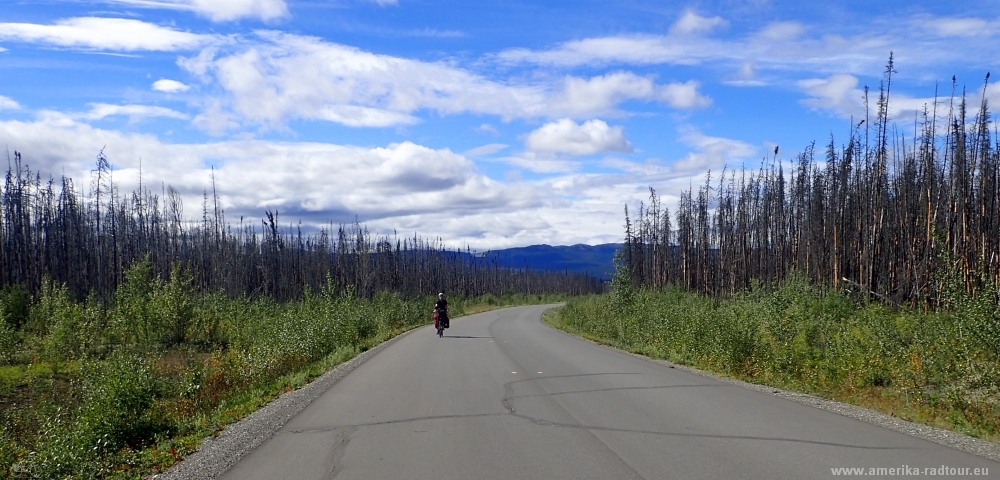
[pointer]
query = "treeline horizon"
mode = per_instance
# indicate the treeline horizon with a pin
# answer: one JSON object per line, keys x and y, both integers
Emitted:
{"x": 50, "y": 231}
{"x": 908, "y": 218}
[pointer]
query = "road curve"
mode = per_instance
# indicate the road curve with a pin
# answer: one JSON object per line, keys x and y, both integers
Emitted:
{"x": 504, "y": 396}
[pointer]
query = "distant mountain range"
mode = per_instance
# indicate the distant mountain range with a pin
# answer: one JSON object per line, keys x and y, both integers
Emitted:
{"x": 596, "y": 260}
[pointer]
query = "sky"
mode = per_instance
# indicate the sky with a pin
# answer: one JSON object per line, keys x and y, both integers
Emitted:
{"x": 487, "y": 124}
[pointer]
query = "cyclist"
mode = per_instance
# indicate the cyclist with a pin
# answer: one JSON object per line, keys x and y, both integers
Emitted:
{"x": 441, "y": 314}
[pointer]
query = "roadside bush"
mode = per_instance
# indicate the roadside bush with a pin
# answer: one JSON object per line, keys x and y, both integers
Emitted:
{"x": 150, "y": 312}
{"x": 101, "y": 435}
{"x": 15, "y": 304}
{"x": 62, "y": 329}
{"x": 116, "y": 412}
{"x": 133, "y": 313}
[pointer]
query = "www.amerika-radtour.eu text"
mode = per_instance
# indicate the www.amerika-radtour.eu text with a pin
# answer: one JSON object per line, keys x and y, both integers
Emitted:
{"x": 908, "y": 471}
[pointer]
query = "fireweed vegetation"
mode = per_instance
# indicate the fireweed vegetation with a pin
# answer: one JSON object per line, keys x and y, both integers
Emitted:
{"x": 870, "y": 277}
{"x": 93, "y": 391}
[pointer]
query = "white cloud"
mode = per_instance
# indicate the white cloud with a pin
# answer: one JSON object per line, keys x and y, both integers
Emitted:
{"x": 6, "y": 103}
{"x": 220, "y": 10}
{"x": 711, "y": 153}
{"x": 684, "y": 95}
{"x": 169, "y": 86}
{"x": 134, "y": 112}
{"x": 566, "y": 136}
{"x": 545, "y": 163}
{"x": 488, "y": 149}
{"x": 635, "y": 50}
{"x": 602, "y": 94}
{"x": 780, "y": 32}
{"x": 959, "y": 26}
{"x": 287, "y": 77}
{"x": 290, "y": 76}
{"x": 838, "y": 93}
{"x": 691, "y": 23}
{"x": 746, "y": 76}
{"x": 357, "y": 116}
{"x": 118, "y": 34}
{"x": 386, "y": 2}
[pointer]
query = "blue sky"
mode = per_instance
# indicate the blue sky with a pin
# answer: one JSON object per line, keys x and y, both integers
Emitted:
{"x": 487, "y": 124}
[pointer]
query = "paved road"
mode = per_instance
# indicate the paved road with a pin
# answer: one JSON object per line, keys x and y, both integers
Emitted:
{"x": 504, "y": 396}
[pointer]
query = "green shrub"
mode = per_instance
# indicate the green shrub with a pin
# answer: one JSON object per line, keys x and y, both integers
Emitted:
{"x": 134, "y": 309}
{"x": 15, "y": 302}
{"x": 116, "y": 411}
{"x": 62, "y": 329}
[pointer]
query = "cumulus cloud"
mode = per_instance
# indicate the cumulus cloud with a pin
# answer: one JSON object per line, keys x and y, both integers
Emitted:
{"x": 97, "y": 33}
{"x": 691, "y": 23}
{"x": 169, "y": 86}
{"x": 134, "y": 112}
{"x": 566, "y": 136}
{"x": 6, "y": 103}
{"x": 684, "y": 95}
{"x": 220, "y": 10}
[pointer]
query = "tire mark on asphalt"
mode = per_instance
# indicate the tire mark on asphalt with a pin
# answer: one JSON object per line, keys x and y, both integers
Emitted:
{"x": 337, "y": 453}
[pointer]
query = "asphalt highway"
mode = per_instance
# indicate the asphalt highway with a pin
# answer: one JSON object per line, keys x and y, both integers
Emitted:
{"x": 503, "y": 396}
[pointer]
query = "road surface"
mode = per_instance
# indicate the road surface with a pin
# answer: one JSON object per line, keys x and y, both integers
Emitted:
{"x": 503, "y": 396}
